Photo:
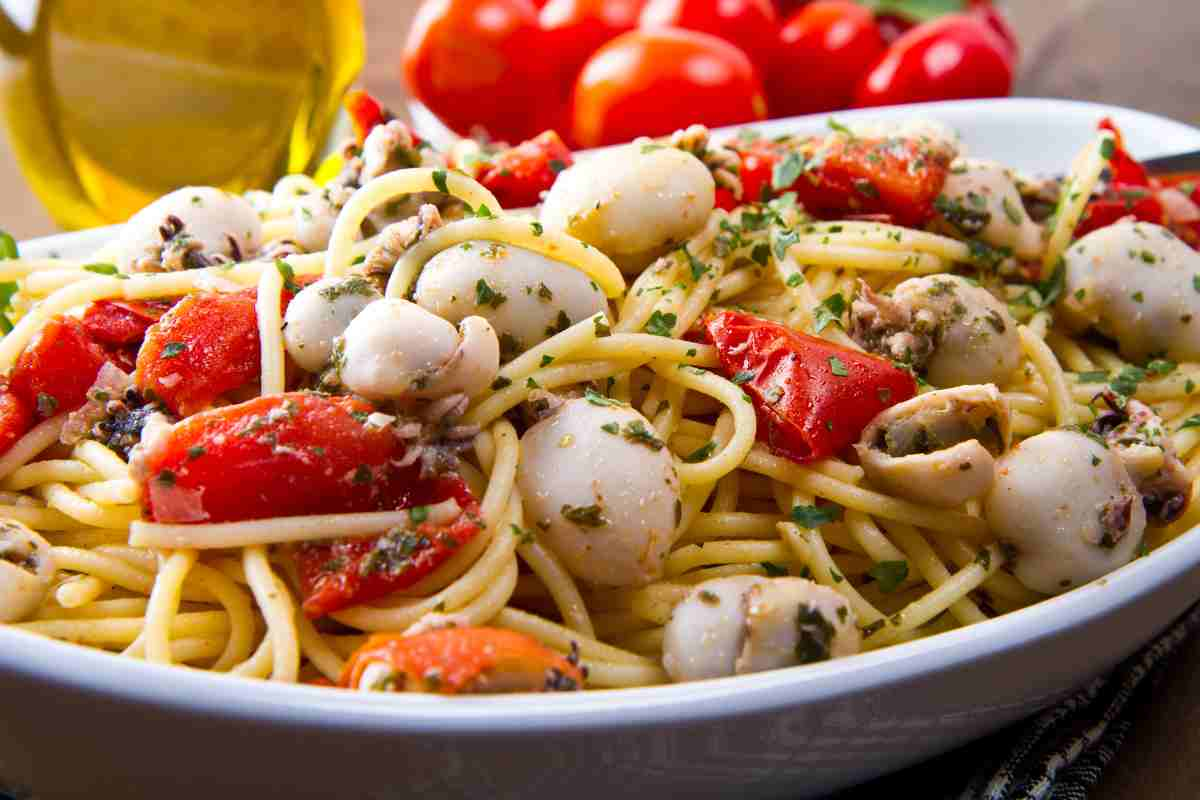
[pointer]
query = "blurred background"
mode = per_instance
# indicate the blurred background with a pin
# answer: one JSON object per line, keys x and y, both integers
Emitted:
{"x": 117, "y": 114}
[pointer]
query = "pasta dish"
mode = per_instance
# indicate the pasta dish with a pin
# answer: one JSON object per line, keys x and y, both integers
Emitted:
{"x": 504, "y": 419}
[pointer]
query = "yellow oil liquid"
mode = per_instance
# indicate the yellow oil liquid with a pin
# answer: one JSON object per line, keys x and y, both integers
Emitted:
{"x": 118, "y": 102}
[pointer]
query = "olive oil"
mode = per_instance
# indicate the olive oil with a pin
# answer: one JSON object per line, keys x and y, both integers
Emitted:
{"x": 115, "y": 103}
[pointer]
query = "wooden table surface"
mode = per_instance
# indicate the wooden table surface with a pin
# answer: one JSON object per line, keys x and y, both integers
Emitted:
{"x": 1139, "y": 54}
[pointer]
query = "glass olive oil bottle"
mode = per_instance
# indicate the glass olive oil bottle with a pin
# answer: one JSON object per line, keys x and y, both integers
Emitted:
{"x": 117, "y": 102}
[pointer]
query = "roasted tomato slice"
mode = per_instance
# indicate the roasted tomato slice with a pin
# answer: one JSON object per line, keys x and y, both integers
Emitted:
{"x": 57, "y": 368}
{"x": 812, "y": 397}
{"x": 519, "y": 175}
{"x": 122, "y": 322}
{"x": 16, "y": 418}
{"x": 838, "y": 176}
{"x": 206, "y": 345}
{"x": 459, "y": 661}
{"x": 302, "y": 453}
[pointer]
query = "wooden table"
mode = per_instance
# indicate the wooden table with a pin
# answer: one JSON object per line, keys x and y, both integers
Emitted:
{"x": 1139, "y": 54}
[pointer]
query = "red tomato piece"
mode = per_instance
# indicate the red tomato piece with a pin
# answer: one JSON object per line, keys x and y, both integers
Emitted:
{"x": 840, "y": 177}
{"x": 365, "y": 113}
{"x": 347, "y": 572}
{"x": 953, "y": 57}
{"x": 824, "y": 51}
{"x": 812, "y": 397}
{"x": 122, "y": 322}
{"x": 479, "y": 62}
{"x": 465, "y": 660}
{"x": 1118, "y": 202}
{"x": 994, "y": 18}
{"x": 57, "y": 367}
{"x": 16, "y": 418}
{"x": 653, "y": 82}
{"x": 749, "y": 24}
{"x": 519, "y": 175}
{"x": 206, "y": 345}
{"x": 1123, "y": 167}
{"x": 279, "y": 456}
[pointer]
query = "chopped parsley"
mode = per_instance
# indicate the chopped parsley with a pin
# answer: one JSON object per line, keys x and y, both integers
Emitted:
{"x": 172, "y": 349}
{"x": 889, "y": 574}
{"x": 537, "y": 229}
{"x": 837, "y": 367}
{"x": 102, "y": 269}
{"x": 773, "y": 570}
{"x": 1191, "y": 422}
{"x": 1108, "y": 149}
{"x": 699, "y": 268}
{"x": 742, "y": 376}
{"x": 814, "y": 634}
{"x": 560, "y": 324}
{"x": 787, "y": 171}
{"x": 637, "y": 432}
{"x": 795, "y": 279}
{"x": 485, "y": 295}
{"x": 288, "y": 274}
{"x": 815, "y": 516}
{"x": 501, "y": 382}
{"x": 547, "y": 360}
{"x": 439, "y": 180}
{"x": 611, "y": 427}
{"x": 660, "y": 324}
{"x": 418, "y": 514}
{"x": 702, "y": 453}
{"x": 829, "y": 311}
{"x": 597, "y": 399}
{"x": 585, "y": 516}
{"x": 760, "y": 254}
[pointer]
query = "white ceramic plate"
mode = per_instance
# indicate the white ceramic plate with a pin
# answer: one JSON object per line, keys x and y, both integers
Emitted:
{"x": 79, "y": 721}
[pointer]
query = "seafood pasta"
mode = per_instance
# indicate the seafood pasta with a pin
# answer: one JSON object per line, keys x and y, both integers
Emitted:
{"x": 696, "y": 409}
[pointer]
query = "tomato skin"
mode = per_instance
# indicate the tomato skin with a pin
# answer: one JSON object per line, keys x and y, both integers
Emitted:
{"x": 574, "y": 29}
{"x": 279, "y": 456}
{"x": 365, "y": 113}
{"x": 620, "y": 92}
{"x": 57, "y": 367}
{"x": 1121, "y": 201}
{"x": 332, "y": 575}
{"x": 823, "y": 53}
{"x": 856, "y": 177}
{"x": 748, "y": 24}
{"x": 218, "y": 333}
{"x": 479, "y": 62}
{"x": 16, "y": 418}
{"x": 954, "y": 57}
{"x": 459, "y": 660}
{"x": 805, "y": 411}
{"x": 519, "y": 175}
{"x": 122, "y": 322}
{"x": 994, "y": 18}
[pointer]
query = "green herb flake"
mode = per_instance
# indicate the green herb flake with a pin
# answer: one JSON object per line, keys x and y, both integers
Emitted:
{"x": 837, "y": 367}
{"x": 773, "y": 570}
{"x": 597, "y": 399}
{"x": 102, "y": 269}
{"x": 660, "y": 324}
{"x": 794, "y": 280}
{"x": 742, "y": 376}
{"x": 439, "y": 181}
{"x": 585, "y": 516}
{"x": 1108, "y": 149}
{"x": 787, "y": 171}
{"x": 700, "y": 453}
{"x": 418, "y": 514}
{"x": 829, "y": 312}
{"x": 537, "y": 228}
{"x": 501, "y": 382}
{"x": 815, "y": 516}
{"x": 195, "y": 452}
{"x": 760, "y": 254}
{"x": 172, "y": 349}
{"x": 288, "y": 274}
{"x": 611, "y": 427}
{"x": 889, "y": 575}
{"x": 485, "y": 295}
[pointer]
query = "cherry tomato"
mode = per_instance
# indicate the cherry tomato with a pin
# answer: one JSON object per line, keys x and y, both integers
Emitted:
{"x": 574, "y": 29}
{"x": 463, "y": 661}
{"x": 56, "y": 369}
{"x": 749, "y": 24}
{"x": 812, "y": 397}
{"x": 203, "y": 347}
{"x": 122, "y": 322}
{"x": 953, "y": 57}
{"x": 479, "y": 62}
{"x": 16, "y": 418}
{"x": 653, "y": 82}
{"x": 994, "y": 18}
{"x": 893, "y": 26}
{"x": 824, "y": 51}
{"x": 519, "y": 175}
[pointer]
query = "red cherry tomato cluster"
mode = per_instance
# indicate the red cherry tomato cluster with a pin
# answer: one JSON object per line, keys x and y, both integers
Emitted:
{"x": 604, "y": 71}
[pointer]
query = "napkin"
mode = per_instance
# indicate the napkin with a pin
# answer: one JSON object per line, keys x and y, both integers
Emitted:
{"x": 1059, "y": 754}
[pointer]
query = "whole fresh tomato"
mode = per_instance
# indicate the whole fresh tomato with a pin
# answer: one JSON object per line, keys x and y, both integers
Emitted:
{"x": 953, "y": 57}
{"x": 994, "y": 19}
{"x": 479, "y": 62}
{"x": 574, "y": 29}
{"x": 652, "y": 82}
{"x": 824, "y": 51}
{"x": 749, "y": 24}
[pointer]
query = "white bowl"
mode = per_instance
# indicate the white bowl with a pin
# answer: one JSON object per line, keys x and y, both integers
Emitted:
{"x": 78, "y": 721}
